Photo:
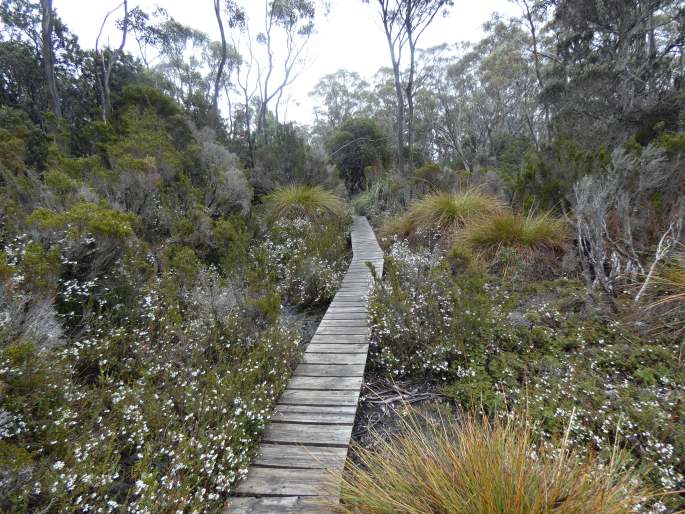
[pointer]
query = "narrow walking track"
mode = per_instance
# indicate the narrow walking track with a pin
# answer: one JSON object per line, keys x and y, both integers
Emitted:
{"x": 312, "y": 423}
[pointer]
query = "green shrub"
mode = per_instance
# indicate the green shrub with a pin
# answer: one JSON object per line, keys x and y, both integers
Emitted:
{"x": 84, "y": 218}
{"x": 229, "y": 241}
{"x": 40, "y": 268}
{"x": 6, "y": 271}
{"x": 427, "y": 321}
{"x": 306, "y": 258}
{"x": 356, "y": 145}
{"x": 309, "y": 201}
{"x": 61, "y": 183}
{"x": 493, "y": 343}
{"x": 483, "y": 466}
{"x": 184, "y": 261}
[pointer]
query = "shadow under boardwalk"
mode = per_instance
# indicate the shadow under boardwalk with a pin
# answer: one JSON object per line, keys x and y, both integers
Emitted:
{"x": 306, "y": 442}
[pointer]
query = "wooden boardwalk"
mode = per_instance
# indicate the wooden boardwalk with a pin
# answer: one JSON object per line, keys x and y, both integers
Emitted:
{"x": 311, "y": 426}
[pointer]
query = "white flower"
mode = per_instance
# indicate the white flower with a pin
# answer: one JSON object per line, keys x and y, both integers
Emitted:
{"x": 58, "y": 465}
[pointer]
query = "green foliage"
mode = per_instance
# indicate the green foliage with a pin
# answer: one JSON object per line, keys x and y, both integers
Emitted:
{"x": 307, "y": 259}
{"x": 307, "y": 201}
{"x": 6, "y": 271}
{"x": 356, "y": 145}
{"x": 184, "y": 261}
{"x": 61, "y": 183}
{"x": 40, "y": 268}
{"x": 12, "y": 151}
{"x": 483, "y": 466}
{"x": 230, "y": 240}
{"x": 286, "y": 157}
{"x": 83, "y": 218}
{"x": 490, "y": 343}
{"x": 544, "y": 178}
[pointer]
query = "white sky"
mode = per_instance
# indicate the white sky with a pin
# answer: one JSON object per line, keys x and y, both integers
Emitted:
{"x": 350, "y": 37}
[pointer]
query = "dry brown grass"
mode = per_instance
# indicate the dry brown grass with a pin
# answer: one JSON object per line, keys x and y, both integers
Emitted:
{"x": 483, "y": 466}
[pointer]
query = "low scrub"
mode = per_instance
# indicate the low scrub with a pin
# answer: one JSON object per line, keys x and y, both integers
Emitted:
{"x": 309, "y": 201}
{"x": 482, "y": 466}
{"x": 440, "y": 215}
{"x": 494, "y": 343}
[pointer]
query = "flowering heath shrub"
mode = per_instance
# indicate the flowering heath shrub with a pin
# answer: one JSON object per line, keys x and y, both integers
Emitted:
{"x": 489, "y": 343}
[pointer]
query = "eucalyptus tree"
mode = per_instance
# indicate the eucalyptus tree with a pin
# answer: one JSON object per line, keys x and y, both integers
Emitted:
{"x": 108, "y": 57}
{"x": 404, "y": 22}
{"x": 616, "y": 66}
{"x": 341, "y": 95}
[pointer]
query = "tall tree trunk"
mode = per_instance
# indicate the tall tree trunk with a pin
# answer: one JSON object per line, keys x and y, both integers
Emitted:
{"x": 222, "y": 63}
{"x": 410, "y": 103}
{"x": 400, "y": 97}
{"x": 107, "y": 65}
{"x": 49, "y": 58}
{"x": 538, "y": 67}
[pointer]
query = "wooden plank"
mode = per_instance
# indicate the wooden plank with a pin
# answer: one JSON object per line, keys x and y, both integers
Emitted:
{"x": 313, "y": 418}
{"x": 332, "y": 398}
{"x": 285, "y": 482}
{"x": 280, "y": 504}
{"x": 340, "y": 338}
{"x": 344, "y": 330}
{"x": 313, "y": 435}
{"x": 356, "y": 323}
{"x": 307, "y": 457}
{"x": 326, "y": 383}
{"x": 317, "y": 409}
{"x": 329, "y": 370}
{"x": 334, "y": 358}
{"x": 338, "y": 315}
{"x": 347, "y": 309}
{"x": 338, "y": 348}
{"x": 312, "y": 423}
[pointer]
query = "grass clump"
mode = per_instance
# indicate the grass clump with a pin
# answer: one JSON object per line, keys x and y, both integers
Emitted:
{"x": 483, "y": 466}
{"x": 301, "y": 200}
{"x": 669, "y": 303}
{"x": 531, "y": 237}
{"x": 442, "y": 213}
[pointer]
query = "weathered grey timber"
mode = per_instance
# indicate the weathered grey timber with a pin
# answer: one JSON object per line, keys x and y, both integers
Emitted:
{"x": 306, "y": 443}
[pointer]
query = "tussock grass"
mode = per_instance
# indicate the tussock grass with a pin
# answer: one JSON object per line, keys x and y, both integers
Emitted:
{"x": 481, "y": 466}
{"x": 669, "y": 305}
{"x": 443, "y": 213}
{"x": 299, "y": 200}
{"x": 672, "y": 279}
{"x": 530, "y": 236}
{"x": 396, "y": 226}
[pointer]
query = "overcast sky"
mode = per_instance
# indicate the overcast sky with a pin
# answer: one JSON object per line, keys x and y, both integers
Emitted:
{"x": 349, "y": 37}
